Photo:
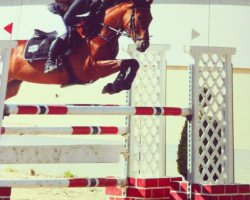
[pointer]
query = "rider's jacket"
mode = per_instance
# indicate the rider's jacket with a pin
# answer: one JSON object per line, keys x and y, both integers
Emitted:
{"x": 69, "y": 9}
{"x": 93, "y": 6}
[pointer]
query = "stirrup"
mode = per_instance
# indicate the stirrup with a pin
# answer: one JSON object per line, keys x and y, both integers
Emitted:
{"x": 49, "y": 69}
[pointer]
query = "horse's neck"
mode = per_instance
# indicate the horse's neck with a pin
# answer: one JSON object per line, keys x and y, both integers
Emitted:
{"x": 115, "y": 16}
{"x": 108, "y": 38}
{"x": 116, "y": 7}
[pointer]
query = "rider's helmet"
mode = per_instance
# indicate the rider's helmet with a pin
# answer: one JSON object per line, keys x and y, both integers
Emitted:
{"x": 66, "y": 3}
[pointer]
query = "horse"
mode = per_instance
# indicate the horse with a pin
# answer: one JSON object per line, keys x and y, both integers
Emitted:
{"x": 93, "y": 58}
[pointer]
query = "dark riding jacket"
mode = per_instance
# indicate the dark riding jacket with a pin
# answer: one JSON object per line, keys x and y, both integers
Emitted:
{"x": 92, "y": 24}
{"x": 95, "y": 7}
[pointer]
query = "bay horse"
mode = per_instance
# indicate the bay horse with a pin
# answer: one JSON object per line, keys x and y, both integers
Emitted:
{"x": 95, "y": 58}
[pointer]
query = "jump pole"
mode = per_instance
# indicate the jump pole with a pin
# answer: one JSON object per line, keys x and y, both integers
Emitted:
{"x": 94, "y": 110}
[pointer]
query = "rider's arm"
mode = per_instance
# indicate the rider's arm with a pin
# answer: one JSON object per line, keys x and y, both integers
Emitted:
{"x": 98, "y": 7}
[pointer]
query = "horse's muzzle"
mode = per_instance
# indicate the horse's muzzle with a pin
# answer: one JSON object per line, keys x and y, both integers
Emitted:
{"x": 142, "y": 45}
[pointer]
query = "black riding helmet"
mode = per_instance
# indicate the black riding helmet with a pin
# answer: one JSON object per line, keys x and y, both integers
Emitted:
{"x": 57, "y": 8}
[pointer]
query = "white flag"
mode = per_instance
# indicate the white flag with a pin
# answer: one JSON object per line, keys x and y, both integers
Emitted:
{"x": 195, "y": 34}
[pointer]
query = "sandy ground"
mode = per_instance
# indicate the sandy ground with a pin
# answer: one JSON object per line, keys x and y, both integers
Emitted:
{"x": 49, "y": 193}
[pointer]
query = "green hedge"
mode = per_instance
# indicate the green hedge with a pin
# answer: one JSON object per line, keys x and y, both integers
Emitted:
{"x": 182, "y": 147}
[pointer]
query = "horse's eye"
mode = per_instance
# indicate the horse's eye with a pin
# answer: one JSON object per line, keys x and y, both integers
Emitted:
{"x": 139, "y": 17}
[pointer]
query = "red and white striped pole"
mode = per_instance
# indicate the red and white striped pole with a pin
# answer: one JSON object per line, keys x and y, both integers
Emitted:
{"x": 74, "y": 182}
{"x": 93, "y": 110}
{"x": 72, "y": 130}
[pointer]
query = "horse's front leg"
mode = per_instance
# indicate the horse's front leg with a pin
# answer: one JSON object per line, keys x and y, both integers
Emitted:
{"x": 125, "y": 78}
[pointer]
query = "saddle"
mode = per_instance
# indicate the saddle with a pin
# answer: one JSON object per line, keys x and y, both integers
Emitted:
{"x": 37, "y": 48}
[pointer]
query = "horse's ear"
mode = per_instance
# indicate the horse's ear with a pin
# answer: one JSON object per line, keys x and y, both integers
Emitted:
{"x": 149, "y": 1}
{"x": 142, "y": 2}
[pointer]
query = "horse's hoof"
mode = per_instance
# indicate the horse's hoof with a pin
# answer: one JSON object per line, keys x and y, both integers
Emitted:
{"x": 127, "y": 86}
{"x": 107, "y": 89}
{"x": 112, "y": 88}
{"x": 117, "y": 87}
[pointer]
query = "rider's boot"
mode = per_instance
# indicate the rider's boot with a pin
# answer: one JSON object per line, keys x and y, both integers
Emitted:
{"x": 56, "y": 48}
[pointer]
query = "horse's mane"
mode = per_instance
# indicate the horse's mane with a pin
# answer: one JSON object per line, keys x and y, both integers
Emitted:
{"x": 137, "y": 3}
{"x": 117, "y": 2}
{"x": 121, "y": 1}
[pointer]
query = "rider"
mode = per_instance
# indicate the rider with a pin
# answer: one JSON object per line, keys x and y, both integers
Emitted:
{"x": 68, "y": 10}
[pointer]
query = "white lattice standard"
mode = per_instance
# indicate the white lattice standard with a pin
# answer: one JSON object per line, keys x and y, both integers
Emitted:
{"x": 147, "y": 140}
{"x": 212, "y": 124}
{"x": 5, "y": 50}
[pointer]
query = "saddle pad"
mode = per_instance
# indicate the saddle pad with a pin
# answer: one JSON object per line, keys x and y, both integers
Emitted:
{"x": 37, "y": 49}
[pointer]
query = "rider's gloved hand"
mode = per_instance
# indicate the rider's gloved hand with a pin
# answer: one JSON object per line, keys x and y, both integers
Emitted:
{"x": 100, "y": 12}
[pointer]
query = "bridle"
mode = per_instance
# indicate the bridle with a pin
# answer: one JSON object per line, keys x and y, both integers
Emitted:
{"x": 131, "y": 32}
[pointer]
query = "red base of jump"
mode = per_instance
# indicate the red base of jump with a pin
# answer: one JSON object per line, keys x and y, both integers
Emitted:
{"x": 211, "y": 192}
{"x": 5, "y": 193}
{"x": 176, "y": 189}
{"x": 143, "y": 189}
{"x": 166, "y": 189}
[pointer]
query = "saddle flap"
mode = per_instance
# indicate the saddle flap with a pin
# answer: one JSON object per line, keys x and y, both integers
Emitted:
{"x": 37, "y": 48}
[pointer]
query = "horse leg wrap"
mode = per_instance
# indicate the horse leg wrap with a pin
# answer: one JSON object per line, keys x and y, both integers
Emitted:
{"x": 127, "y": 74}
{"x": 118, "y": 83}
{"x": 125, "y": 78}
{"x": 131, "y": 76}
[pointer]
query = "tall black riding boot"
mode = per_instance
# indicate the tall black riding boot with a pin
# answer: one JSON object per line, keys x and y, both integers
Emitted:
{"x": 57, "y": 47}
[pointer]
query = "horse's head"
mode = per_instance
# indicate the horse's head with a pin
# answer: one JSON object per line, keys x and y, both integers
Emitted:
{"x": 136, "y": 22}
{"x": 131, "y": 16}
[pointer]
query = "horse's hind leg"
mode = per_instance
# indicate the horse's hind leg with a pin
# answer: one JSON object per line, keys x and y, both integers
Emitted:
{"x": 13, "y": 88}
{"x": 125, "y": 78}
